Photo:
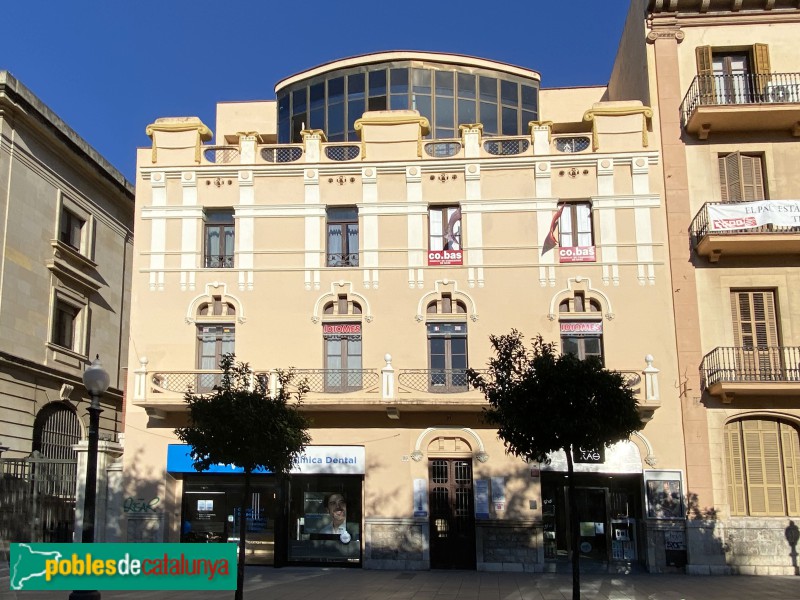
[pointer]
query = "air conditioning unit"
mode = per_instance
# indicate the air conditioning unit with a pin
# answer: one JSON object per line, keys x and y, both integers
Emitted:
{"x": 784, "y": 92}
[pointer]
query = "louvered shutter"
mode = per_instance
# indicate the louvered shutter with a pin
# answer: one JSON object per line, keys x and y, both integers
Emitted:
{"x": 755, "y": 335}
{"x": 735, "y": 467}
{"x": 733, "y": 177}
{"x": 790, "y": 447}
{"x": 723, "y": 179}
{"x": 752, "y": 180}
{"x": 761, "y": 64}
{"x": 705, "y": 74}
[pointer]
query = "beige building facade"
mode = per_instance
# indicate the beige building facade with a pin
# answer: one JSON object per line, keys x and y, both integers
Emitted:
{"x": 371, "y": 227}
{"x": 722, "y": 78}
{"x": 66, "y": 225}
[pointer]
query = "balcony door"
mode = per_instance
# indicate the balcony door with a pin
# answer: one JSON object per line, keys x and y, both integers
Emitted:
{"x": 755, "y": 332}
{"x": 452, "y": 514}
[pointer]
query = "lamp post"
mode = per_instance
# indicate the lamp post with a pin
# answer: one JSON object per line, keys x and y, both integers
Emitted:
{"x": 96, "y": 381}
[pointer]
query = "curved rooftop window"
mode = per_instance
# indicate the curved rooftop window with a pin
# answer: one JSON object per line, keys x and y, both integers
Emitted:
{"x": 449, "y": 94}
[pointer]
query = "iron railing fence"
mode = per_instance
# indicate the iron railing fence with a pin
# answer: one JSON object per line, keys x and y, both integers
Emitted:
{"x": 281, "y": 154}
{"x": 343, "y": 260}
{"x": 435, "y": 381}
{"x": 761, "y": 364}
{"x": 37, "y": 499}
{"x": 221, "y": 154}
{"x": 701, "y": 227}
{"x": 219, "y": 261}
{"x": 740, "y": 88}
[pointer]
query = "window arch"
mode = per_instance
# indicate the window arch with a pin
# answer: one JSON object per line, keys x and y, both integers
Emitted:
{"x": 447, "y": 305}
{"x": 56, "y": 430}
{"x": 762, "y": 463}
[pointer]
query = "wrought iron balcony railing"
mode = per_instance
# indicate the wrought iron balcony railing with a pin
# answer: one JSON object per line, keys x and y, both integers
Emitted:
{"x": 435, "y": 381}
{"x": 338, "y": 381}
{"x": 221, "y": 261}
{"x": 743, "y": 88}
{"x": 221, "y": 154}
{"x": 343, "y": 260}
{"x": 762, "y": 364}
{"x": 701, "y": 227}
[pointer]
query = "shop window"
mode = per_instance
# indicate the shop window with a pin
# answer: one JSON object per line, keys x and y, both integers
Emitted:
{"x": 741, "y": 177}
{"x": 325, "y": 519}
{"x": 219, "y": 239}
{"x": 581, "y": 326}
{"x": 342, "y": 236}
{"x": 762, "y": 460}
{"x": 444, "y": 228}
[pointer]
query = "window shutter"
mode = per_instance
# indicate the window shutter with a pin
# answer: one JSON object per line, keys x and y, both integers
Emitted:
{"x": 752, "y": 180}
{"x": 754, "y": 464}
{"x": 761, "y": 64}
{"x": 773, "y": 472}
{"x": 705, "y": 74}
{"x": 733, "y": 178}
{"x": 733, "y": 460}
{"x": 723, "y": 179}
{"x": 790, "y": 446}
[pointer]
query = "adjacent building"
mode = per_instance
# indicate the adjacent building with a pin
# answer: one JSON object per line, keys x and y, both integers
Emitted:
{"x": 371, "y": 227}
{"x": 722, "y": 78}
{"x": 66, "y": 222}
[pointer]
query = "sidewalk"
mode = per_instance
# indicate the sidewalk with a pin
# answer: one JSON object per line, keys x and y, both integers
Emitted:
{"x": 313, "y": 583}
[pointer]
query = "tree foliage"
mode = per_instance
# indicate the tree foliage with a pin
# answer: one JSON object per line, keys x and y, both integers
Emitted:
{"x": 542, "y": 401}
{"x": 241, "y": 424}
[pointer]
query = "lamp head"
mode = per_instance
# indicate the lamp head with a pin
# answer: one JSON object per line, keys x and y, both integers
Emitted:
{"x": 96, "y": 379}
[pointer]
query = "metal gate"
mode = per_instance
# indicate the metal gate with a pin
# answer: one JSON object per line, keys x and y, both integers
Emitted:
{"x": 37, "y": 499}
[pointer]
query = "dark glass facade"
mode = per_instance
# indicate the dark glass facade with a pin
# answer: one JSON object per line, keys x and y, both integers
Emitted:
{"x": 448, "y": 95}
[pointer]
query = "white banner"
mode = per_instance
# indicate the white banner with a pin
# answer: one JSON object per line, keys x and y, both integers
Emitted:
{"x": 746, "y": 215}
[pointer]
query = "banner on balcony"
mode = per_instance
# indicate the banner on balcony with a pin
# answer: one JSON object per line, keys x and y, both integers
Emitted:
{"x": 746, "y": 215}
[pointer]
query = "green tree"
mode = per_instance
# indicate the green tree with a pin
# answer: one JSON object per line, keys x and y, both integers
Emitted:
{"x": 240, "y": 423}
{"x": 542, "y": 401}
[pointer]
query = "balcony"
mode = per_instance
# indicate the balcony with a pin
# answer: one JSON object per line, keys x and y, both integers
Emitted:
{"x": 744, "y": 371}
{"x": 742, "y": 102}
{"x": 218, "y": 261}
{"x": 746, "y": 229}
{"x": 161, "y": 392}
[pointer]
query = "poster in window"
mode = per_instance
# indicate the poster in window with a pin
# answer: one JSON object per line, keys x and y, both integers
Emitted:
{"x": 664, "y": 494}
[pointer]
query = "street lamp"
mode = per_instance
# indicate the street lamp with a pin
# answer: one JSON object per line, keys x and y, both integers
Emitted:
{"x": 96, "y": 380}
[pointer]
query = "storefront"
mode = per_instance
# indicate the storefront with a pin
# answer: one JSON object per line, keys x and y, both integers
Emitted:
{"x": 608, "y": 495}
{"x": 314, "y": 517}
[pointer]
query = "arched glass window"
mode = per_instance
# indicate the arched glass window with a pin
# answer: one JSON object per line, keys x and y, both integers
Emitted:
{"x": 762, "y": 463}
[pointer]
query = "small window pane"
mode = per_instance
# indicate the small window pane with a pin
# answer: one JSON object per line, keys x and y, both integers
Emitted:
{"x": 488, "y": 118}
{"x": 509, "y": 93}
{"x": 510, "y": 121}
{"x": 445, "y": 83}
{"x": 488, "y": 87}
{"x": 336, "y": 90}
{"x": 299, "y": 101}
{"x": 529, "y": 98}
{"x": 422, "y": 81}
{"x": 444, "y": 112}
{"x": 355, "y": 86}
{"x": 398, "y": 81}
{"x": 377, "y": 83}
{"x": 466, "y": 85}
{"x": 318, "y": 95}
{"x": 466, "y": 112}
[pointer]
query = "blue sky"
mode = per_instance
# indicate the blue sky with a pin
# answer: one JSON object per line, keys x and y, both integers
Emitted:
{"x": 111, "y": 67}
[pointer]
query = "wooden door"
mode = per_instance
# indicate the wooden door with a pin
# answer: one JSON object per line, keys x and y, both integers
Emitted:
{"x": 452, "y": 523}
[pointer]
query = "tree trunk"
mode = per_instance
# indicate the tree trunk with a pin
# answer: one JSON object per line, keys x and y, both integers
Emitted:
{"x": 242, "y": 536}
{"x": 574, "y": 527}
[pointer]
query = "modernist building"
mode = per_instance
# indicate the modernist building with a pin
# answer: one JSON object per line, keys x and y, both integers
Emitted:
{"x": 371, "y": 228}
{"x": 722, "y": 78}
{"x": 65, "y": 272}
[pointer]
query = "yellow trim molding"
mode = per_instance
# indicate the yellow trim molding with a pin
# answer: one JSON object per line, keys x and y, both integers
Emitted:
{"x": 617, "y": 111}
{"x": 178, "y": 124}
{"x": 393, "y": 119}
{"x": 548, "y": 124}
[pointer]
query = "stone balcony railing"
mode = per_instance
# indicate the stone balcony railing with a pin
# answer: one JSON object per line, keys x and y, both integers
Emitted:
{"x": 162, "y": 391}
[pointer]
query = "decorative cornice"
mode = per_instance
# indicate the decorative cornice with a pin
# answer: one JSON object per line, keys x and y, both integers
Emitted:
{"x": 617, "y": 111}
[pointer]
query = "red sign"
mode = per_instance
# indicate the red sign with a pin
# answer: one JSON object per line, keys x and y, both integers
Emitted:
{"x": 734, "y": 223}
{"x": 582, "y": 327}
{"x": 445, "y": 257}
{"x": 571, "y": 254}
{"x": 342, "y": 328}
